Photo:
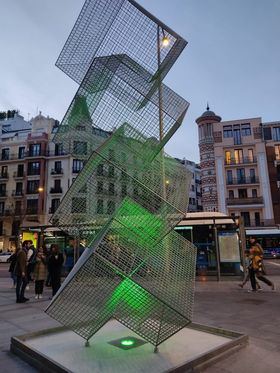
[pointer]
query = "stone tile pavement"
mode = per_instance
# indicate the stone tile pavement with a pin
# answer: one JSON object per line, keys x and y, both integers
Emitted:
{"x": 221, "y": 304}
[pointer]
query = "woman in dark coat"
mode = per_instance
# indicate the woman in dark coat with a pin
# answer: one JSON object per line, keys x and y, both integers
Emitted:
{"x": 55, "y": 266}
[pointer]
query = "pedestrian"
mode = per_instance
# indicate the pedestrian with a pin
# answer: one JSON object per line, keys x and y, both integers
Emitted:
{"x": 55, "y": 267}
{"x": 21, "y": 273}
{"x": 256, "y": 267}
{"x": 69, "y": 256}
{"x": 48, "y": 253}
{"x": 31, "y": 254}
{"x": 40, "y": 273}
{"x": 246, "y": 271}
{"x": 12, "y": 260}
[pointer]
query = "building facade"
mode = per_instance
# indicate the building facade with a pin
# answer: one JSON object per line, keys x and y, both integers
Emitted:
{"x": 195, "y": 203}
{"x": 235, "y": 171}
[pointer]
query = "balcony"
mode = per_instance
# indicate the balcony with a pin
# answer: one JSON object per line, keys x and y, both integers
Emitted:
{"x": 35, "y": 154}
{"x": 244, "y": 180}
{"x": 31, "y": 211}
{"x": 244, "y": 201}
{"x": 56, "y": 190}
{"x": 17, "y": 193}
{"x": 259, "y": 223}
{"x": 18, "y": 175}
{"x": 4, "y": 176}
{"x": 57, "y": 171}
{"x": 32, "y": 191}
{"x": 241, "y": 161}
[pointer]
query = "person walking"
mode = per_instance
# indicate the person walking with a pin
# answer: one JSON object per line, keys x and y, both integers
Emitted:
{"x": 247, "y": 272}
{"x": 256, "y": 267}
{"x": 21, "y": 273}
{"x": 55, "y": 265}
{"x": 40, "y": 273}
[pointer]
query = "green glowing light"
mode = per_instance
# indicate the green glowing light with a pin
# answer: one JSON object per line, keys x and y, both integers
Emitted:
{"x": 127, "y": 342}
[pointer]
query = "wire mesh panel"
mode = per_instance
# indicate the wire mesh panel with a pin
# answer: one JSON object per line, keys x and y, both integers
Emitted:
{"x": 130, "y": 274}
{"x": 106, "y": 27}
{"x": 117, "y": 169}
{"x": 129, "y": 194}
{"x": 116, "y": 90}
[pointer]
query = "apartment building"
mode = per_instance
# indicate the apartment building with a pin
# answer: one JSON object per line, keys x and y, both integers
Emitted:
{"x": 195, "y": 203}
{"x": 271, "y": 136}
{"x": 234, "y": 168}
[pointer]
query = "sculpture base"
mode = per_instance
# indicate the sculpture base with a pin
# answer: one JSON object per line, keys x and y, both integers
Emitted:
{"x": 60, "y": 350}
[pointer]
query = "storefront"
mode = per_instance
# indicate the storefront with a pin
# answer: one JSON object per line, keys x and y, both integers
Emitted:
{"x": 217, "y": 240}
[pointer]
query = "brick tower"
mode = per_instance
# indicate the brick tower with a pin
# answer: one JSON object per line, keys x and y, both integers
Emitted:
{"x": 207, "y": 159}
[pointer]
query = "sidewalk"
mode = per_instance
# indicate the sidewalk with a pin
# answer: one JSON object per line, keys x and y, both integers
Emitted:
{"x": 217, "y": 304}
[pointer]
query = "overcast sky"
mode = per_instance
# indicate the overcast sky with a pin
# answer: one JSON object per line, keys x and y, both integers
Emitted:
{"x": 232, "y": 59}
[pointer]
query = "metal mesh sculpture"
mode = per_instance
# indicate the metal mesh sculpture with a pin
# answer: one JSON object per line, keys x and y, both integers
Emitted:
{"x": 129, "y": 195}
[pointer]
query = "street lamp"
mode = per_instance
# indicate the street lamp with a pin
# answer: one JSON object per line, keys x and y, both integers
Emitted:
{"x": 40, "y": 189}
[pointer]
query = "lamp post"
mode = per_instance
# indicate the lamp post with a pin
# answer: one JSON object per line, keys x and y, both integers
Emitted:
{"x": 164, "y": 42}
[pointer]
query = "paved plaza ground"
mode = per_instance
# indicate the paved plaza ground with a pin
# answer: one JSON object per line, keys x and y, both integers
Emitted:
{"x": 217, "y": 304}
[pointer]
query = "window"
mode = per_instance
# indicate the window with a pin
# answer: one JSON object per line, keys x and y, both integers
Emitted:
{"x": 227, "y": 131}
{"x": 79, "y": 205}
{"x": 240, "y": 175}
{"x": 54, "y": 204}
{"x": 32, "y": 186}
{"x": 111, "y": 171}
{"x": 250, "y": 155}
{"x": 4, "y": 171}
{"x": 242, "y": 193}
{"x": 80, "y": 147}
{"x": 2, "y": 190}
{"x": 34, "y": 150}
{"x": 1, "y": 228}
{"x": 193, "y": 188}
{"x": 2, "y": 208}
{"x": 100, "y": 170}
{"x": 100, "y": 207}
{"x": 99, "y": 189}
{"x": 254, "y": 193}
{"x": 236, "y": 136}
{"x": 57, "y": 185}
{"x": 32, "y": 206}
{"x": 124, "y": 190}
{"x": 229, "y": 177}
{"x": 275, "y": 131}
{"x": 277, "y": 151}
{"x": 227, "y": 157}
{"x": 246, "y": 218}
{"x": 257, "y": 219}
{"x": 111, "y": 189}
{"x": 57, "y": 167}
{"x": 19, "y": 189}
{"x": 21, "y": 151}
{"x": 20, "y": 170}
{"x": 230, "y": 194}
{"x": 77, "y": 165}
{"x": 15, "y": 227}
{"x": 238, "y": 156}
{"x": 267, "y": 133}
{"x": 246, "y": 129}
{"x": 33, "y": 168}
{"x": 18, "y": 209}
{"x": 252, "y": 175}
{"x": 58, "y": 150}
{"x": 5, "y": 154}
{"x": 110, "y": 207}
